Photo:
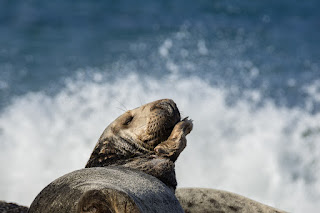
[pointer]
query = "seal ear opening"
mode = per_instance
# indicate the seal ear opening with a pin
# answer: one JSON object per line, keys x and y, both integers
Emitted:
{"x": 106, "y": 201}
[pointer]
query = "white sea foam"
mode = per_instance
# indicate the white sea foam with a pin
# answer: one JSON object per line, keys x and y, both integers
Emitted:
{"x": 268, "y": 153}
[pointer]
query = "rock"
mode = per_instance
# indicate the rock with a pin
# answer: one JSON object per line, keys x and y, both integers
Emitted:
{"x": 194, "y": 200}
{"x": 106, "y": 189}
{"x": 12, "y": 208}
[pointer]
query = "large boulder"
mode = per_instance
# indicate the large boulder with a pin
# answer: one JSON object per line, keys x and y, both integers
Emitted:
{"x": 194, "y": 200}
{"x": 107, "y": 189}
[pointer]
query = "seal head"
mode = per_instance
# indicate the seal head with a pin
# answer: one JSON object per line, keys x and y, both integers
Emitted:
{"x": 135, "y": 133}
{"x": 149, "y": 138}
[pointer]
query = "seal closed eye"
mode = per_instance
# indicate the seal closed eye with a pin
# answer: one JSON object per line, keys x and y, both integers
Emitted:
{"x": 128, "y": 120}
{"x": 148, "y": 138}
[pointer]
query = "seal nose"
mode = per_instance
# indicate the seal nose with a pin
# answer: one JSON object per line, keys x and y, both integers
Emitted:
{"x": 167, "y": 105}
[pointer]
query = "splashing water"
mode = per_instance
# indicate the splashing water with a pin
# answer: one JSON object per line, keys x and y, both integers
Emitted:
{"x": 267, "y": 153}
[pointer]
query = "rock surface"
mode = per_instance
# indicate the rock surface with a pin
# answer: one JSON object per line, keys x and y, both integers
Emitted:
{"x": 106, "y": 189}
{"x": 118, "y": 189}
{"x": 193, "y": 200}
{"x": 12, "y": 208}
{"x": 211, "y": 200}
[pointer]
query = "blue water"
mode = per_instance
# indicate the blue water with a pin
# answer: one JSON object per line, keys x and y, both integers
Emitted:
{"x": 42, "y": 43}
{"x": 252, "y": 67}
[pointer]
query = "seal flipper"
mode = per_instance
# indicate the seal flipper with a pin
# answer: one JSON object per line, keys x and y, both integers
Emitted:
{"x": 176, "y": 142}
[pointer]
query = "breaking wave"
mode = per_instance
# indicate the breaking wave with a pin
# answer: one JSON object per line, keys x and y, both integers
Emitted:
{"x": 263, "y": 151}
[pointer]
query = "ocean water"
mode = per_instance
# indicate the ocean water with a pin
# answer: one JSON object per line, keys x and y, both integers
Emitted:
{"x": 247, "y": 73}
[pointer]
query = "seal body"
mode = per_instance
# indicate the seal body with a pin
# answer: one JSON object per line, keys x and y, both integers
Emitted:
{"x": 212, "y": 200}
{"x": 149, "y": 138}
{"x": 106, "y": 190}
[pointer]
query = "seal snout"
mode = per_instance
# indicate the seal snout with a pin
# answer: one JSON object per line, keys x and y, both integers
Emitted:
{"x": 167, "y": 105}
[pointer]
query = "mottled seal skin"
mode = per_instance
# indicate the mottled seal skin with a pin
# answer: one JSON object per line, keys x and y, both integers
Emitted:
{"x": 149, "y": 138}
{"x": 199, "y": 200}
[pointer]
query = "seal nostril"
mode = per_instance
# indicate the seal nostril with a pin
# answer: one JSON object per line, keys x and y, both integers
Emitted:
{"x": 165, "y": 106}
{"x": 172, "y": 105}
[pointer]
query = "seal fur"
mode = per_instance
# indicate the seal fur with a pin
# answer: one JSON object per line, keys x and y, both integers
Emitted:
{"x": 149, "y": 138}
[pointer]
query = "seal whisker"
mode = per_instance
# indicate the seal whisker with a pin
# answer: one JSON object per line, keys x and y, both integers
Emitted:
{"x": 121, "y": 109}
{"x": 122, "y": 105}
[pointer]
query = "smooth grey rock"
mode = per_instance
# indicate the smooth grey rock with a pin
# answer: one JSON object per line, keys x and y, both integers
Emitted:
{"x": 106, "y": 189}
{"x": 203, "y": 200}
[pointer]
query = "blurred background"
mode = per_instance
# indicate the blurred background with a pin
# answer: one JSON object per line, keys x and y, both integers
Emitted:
{"x": 247, "y": 73}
